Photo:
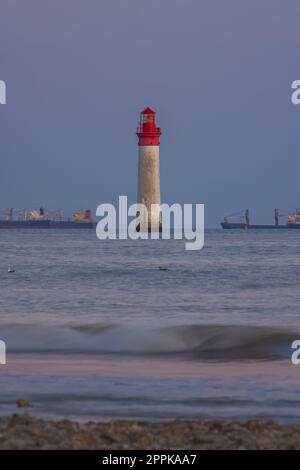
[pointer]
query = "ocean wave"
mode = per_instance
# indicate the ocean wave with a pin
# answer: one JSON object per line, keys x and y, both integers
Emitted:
{"x": 198, "y": 342}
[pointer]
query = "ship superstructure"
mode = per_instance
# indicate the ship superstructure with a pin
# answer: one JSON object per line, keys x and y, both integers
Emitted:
{"x": 39, "y": 218}
{"x": 241, "y": 220}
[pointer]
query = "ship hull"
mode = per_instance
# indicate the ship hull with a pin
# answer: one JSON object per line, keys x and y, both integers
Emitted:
{"x": 44, "y": 224}
{"x": 241, "y": 226}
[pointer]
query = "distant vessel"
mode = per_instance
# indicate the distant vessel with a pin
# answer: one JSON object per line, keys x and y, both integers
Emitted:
{"x": 41, "y": 219}
{"x": 292, "y": 221}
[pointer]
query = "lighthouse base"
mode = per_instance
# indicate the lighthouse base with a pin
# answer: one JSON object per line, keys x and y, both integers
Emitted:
{"x": 157, "y": 229}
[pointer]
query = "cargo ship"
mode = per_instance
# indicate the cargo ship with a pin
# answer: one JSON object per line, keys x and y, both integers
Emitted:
{"x": 39, "y": 219}
{"x": 243, "y": 222}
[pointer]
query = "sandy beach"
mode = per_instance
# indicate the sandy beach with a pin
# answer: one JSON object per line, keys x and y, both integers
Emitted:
{"x": 25, "y": 432}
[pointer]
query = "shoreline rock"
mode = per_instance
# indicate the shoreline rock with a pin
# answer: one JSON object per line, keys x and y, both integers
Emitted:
{"x": 22, "y": 431}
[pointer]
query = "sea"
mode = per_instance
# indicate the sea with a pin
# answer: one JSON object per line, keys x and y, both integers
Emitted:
{"x": 121, "y": 329}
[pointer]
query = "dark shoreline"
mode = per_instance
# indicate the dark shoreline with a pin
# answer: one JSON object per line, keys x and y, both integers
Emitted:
{"x": 22, "y": 431}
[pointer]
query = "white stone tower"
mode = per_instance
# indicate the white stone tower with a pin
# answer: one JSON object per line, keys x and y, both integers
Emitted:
{"x": 149, "y": 171}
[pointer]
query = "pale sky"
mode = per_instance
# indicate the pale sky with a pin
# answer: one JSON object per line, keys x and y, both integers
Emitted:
{"x": 218, "y": 73}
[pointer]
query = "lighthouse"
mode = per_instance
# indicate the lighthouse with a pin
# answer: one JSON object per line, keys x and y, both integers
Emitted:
{"x": 148, "y": 169}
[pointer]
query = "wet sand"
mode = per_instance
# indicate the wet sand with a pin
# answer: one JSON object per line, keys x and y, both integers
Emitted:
{"x": 25, "y": 432}
{"x": 154, "y": 367}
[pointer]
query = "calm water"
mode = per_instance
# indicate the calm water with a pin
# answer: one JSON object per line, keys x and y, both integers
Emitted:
{"x": 95, "y": 330}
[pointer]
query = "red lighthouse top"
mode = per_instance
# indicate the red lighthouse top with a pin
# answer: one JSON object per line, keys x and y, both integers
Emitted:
{"x": 147, "y": 132}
